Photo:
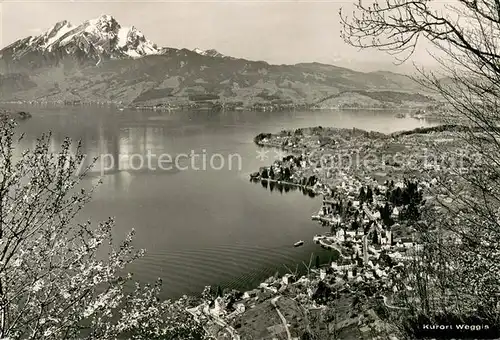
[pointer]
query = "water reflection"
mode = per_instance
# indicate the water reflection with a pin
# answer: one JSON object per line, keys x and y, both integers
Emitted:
{"x": 275, "y": 186}
{"x": 112, "y": 147}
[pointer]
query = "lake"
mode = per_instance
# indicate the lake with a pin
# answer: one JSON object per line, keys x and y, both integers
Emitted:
{"x": 206, "y": 224}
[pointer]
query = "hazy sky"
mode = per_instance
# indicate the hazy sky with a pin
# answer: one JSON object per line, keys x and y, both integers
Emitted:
{"x": 275, "y": 31}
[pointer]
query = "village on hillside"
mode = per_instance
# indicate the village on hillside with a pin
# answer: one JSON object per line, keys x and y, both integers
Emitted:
{"x": 370, "y": 230}
{"x": 371, "y": 220}
{"x": 368, "y": 227}
{"x": 370, "y": 224}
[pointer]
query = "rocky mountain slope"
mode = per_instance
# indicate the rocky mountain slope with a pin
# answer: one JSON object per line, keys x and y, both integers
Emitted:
{"x": 210, "y": 53}
{"x": 101, "y": 61}
{"x": 90, "y": 42}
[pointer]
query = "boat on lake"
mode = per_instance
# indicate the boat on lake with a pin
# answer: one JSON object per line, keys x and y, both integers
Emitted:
{"x": 298, "y": 244}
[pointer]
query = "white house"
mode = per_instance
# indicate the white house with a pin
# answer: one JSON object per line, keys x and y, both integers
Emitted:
{"x": 407, "y": 242}
{"x": 336, "y": 219}
{"x": 351, "y": 233}
{"x": 343, "y": 265}
{"x": 318, "y": 238}
{"x": 340, "y": 235}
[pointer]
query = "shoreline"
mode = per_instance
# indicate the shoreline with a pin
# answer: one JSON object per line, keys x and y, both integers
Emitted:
{"x": 347, "y": 271}
{"x": 363, "y": 271}
{"x": 200, "y": 106}
{"x": 283, "y": 291}
{"x": 21, "y": 115}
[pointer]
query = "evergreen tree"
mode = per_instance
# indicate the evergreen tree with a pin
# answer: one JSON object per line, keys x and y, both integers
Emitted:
{"x": 355, "y": 225}
{"x": 311, "y": 181}
{"x": 396, "y": 197}
{"x": 410, "y": 213}
{"x": 317, "y": 261}
{"x": 362, "y": 195}
{"x": 271, "y": 173}
{"x": 287, "y": 174}
{"x": 369, "y": 195}
{"x": 359, "y": 260}
{"x": 385, "y": 215}
{"x": 381, "y": 210}
{"x": 219, "y": 291}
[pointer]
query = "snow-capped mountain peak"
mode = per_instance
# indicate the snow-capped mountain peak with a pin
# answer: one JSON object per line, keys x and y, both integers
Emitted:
{"x": 98, "y": 38}
{"x": 209, "y": 53}
{"x": 104, "y": 23}
{"x": 46, "y": 39}
{"x": 199, "y": 51}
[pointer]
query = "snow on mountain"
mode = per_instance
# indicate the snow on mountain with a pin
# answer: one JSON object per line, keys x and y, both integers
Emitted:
{"x": 209, "y": 53}
{"x": 96, "y": 39}
{"x": 199, "y": 51}
{"x": 53, "y": 34}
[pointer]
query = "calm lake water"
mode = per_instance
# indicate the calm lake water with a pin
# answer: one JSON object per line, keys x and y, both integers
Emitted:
{"x": 200, "y": 227}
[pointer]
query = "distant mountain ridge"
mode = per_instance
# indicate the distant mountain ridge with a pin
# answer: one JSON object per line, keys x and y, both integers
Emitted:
{"x": 101, "y": 61}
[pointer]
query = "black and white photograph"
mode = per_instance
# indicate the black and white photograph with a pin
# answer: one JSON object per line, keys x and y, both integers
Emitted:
{"x": 249, "y": 169}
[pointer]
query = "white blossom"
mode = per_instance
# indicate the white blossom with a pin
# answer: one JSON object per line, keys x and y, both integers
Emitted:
{"x": 17, "y": 263}
{"x": 57, "y": 259}
{"x": 37, "y": 286}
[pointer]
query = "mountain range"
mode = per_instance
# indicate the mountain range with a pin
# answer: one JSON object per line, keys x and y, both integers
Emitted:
{"x": 99, "y": 61}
